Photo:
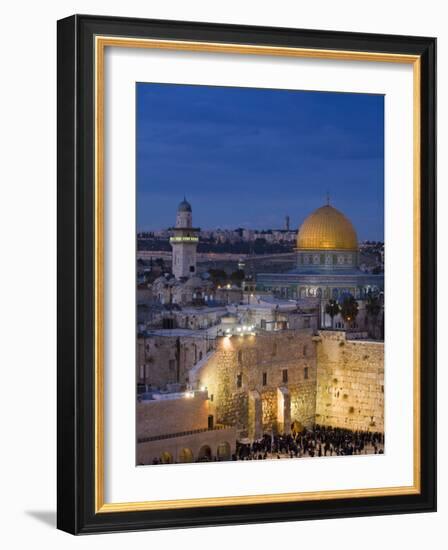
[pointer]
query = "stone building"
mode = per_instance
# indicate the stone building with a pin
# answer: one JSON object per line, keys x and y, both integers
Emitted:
{"x": 164, "y": 357}
{"x": 327, "y": 265}
{"x": 261, "y": 383}
{"x": 184, "y": 242}
{"x": 199, "y": 318}
{"x": 183, "y": 285}
{"x": 229, "y": 294}
{"x": 188, "y": 432}
{"x": 167, "y": 289}
{"x": 271, "y": 314}
{"x": 170, "y": 316}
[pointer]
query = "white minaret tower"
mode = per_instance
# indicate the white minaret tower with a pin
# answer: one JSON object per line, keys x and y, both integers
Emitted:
{"x": 184, "y": 242}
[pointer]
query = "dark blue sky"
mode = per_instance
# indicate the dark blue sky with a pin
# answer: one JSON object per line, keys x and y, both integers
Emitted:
{"x": 246, "y": 157}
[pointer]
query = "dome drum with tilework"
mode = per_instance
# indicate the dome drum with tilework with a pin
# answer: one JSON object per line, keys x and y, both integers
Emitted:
{"x": 327, "y": 241}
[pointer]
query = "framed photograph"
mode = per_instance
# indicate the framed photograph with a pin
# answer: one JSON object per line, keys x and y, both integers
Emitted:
{"x": 246, "y": 274}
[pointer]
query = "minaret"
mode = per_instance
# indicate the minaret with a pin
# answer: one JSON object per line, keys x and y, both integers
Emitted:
{"x": 184, "y": 242}
{"x": 287, "y": 223}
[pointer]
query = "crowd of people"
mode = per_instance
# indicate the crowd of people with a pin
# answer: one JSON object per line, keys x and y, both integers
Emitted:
{"x": 318, "y": 441}
{"x": 310, "y": 442}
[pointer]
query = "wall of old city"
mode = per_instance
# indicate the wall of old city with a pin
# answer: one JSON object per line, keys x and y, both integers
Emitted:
{"x": 180, "y": 414}
{"x": 328, "y": 379}
{"x": 185, "y": 434}
{"x": 166, "y": 359}
{"x": 350, "y": 382}
{"x": 214, "y": 444}
{"x": 253, "y": 367}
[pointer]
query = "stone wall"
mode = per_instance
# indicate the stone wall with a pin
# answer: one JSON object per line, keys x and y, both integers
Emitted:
{"x": 163, "y": 360}
{"x": 350, "y": 382}
{"x": 176, "y": 428}
{"x": 266, "y": 382}
{"x": 244, "y": 366}
{"x": 172, "y": 415}
{"x": 303, "y": 403}
{"x": 219, "y": 443}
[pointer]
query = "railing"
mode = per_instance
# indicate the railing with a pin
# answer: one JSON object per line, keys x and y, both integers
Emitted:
{"x": 181, "y": 434}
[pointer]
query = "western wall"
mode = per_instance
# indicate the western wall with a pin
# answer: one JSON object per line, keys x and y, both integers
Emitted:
{"x": 270, "y": 381}
{"x": 262, "y": 383}
{"x": 350, "y": 382}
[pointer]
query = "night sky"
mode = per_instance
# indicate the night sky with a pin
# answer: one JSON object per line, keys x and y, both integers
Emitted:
{"x": 246, "y": 157}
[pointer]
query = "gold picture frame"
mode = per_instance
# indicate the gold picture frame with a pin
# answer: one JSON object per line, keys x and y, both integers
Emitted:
{"x": 96, "y": 35}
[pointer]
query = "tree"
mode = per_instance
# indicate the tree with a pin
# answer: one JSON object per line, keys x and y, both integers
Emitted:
{"x": 349, "y": 309}
{"x": 237, "y": 277}
{"x": 332, "y": 309}
{"x": 373, "y": 307}
{"x": 218, "y": 276}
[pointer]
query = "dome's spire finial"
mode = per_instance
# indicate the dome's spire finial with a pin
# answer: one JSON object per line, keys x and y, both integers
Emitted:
{"x": 328, "y": 198}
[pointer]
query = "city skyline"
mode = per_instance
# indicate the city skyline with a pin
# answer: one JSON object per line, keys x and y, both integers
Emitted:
{"x": 269, "y": 153}
{"x": 257, "y": 230}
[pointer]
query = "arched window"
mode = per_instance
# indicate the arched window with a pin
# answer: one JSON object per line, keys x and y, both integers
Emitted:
{"x": 205, "y": 453}
{"x": 305, "y": 350}
{"x": 186, "y": 455}
{"x": 240, "y": 356}
{"x": 166, "y": 458}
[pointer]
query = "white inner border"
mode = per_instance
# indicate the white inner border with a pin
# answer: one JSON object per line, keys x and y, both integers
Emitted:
{"x": 124, "y": 482}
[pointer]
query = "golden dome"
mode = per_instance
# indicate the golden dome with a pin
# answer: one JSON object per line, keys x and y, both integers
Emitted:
{"x": 327, "y": 229}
